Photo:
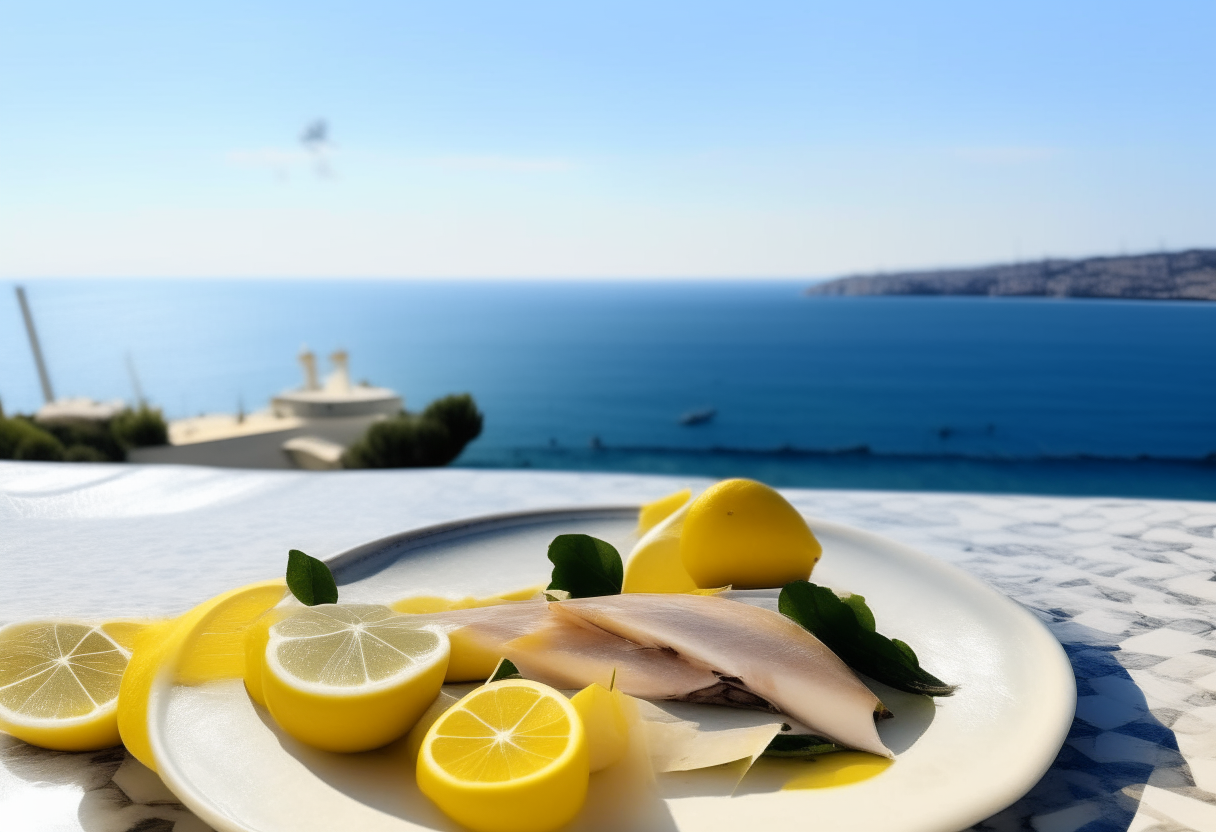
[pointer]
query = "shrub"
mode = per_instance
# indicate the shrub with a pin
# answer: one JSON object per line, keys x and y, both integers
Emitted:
{"x": 84, "y": 453}
{"x": 434, "y": 437}
{"x": 140, "y": 428}
{"x": 22, "y": 439}
{"x": 40, "y": 446}
{"x": 96, "y": 436}
{"x": 459, "y": 414}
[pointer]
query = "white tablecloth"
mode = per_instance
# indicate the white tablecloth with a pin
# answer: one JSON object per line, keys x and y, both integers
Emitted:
{"x": 1128, "y": 586}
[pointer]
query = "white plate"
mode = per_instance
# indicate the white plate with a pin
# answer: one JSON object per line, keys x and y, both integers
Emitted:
{"x": 959, "y": 759}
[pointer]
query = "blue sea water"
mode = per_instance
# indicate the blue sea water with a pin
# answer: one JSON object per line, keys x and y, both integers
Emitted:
{"x": 1034, "y": 395}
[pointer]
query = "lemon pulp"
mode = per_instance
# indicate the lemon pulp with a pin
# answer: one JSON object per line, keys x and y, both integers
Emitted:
{"x": 350, "y": 677}
{"x": 509, "y": 757}
{"x": 59, "y": 684}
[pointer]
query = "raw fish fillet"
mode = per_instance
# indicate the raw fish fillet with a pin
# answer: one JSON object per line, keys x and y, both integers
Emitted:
{"x": 770, "y": 655}
{"x": 570, "y": 654}
{"x": 670, "y": 646}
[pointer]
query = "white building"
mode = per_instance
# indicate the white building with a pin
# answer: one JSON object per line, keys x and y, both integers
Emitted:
{"x": 304, "y": 428}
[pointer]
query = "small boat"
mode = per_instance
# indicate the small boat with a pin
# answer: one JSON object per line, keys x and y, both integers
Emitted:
{"x": 698, "y": 417}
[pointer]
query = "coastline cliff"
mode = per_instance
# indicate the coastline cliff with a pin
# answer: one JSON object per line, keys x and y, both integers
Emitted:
{"x": 1185, "y": 275}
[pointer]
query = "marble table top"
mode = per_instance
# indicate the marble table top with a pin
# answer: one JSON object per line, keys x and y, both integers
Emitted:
{"x": 1127, "y": 586}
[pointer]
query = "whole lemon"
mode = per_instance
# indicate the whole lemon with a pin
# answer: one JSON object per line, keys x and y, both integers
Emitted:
{"x": 745, "y": 534}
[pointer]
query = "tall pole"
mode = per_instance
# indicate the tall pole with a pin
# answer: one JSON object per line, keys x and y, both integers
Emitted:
{"x": 47, "y": 393}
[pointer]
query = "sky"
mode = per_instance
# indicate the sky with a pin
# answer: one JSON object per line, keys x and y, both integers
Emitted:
{"x": 620, "y": 139}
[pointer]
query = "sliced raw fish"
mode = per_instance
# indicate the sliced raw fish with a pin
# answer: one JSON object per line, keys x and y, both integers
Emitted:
{"x": 671, "y": 646}
{"x": 568, "y": 653}
{"x": 766, "y": 652}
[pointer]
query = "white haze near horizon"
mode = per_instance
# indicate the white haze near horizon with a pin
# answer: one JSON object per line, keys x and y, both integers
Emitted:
{"x": 541, "y": 141}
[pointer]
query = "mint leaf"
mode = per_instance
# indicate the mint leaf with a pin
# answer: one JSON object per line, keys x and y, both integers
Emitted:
{"x": 836, "y": 623}
{"x": 310, "y": 580}
{"x": 858, "y": 605}
{"x": 585, "y": 566}
{"x": 505, "y": 670}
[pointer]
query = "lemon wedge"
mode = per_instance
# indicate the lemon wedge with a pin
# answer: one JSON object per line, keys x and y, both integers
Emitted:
{"x": 208, "y": 642}
{"x": 470, "y": 661}
{"x": 437, "y": 603}
{"x": 655, "y": 564}
{"x": 603, "y": 716}
{"x": 59, "y": 682}
{"x": 350, "y": 677}
{"x": 743, "y": 533}
{"x": 509, "y": 757}
{"x": 655, "y": 512}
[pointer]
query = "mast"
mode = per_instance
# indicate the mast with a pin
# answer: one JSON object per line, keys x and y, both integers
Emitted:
{"x": 47, "y": 393}
{"x": 139, "y": 391}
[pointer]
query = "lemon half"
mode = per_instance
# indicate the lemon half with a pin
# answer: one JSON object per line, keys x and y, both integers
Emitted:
{"x": 350, "y": 677}
{"x": 745, "y": 534}
{"x": 509, "y": 757}
{"x": 59, "y": 684}
{"x": 655, "y": 564}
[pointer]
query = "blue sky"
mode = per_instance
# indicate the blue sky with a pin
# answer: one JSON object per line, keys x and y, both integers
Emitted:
{"x": 599, "y": 140}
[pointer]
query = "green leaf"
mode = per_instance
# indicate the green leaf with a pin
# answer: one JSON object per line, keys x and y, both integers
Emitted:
{"x": 310, "y": 580}
{"x": 862, "y": 612}
{"x": 505, "y": 670}
{"x": 837, "y": 624}
{"x": 585, "y": 566}
{"x": 800, "y": 745}
{"x": 908, "y": 652}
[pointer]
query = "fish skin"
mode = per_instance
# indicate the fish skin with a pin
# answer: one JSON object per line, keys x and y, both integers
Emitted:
{"x": 773, "y": 656}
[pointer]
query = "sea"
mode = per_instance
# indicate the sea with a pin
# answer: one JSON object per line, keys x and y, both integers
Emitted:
{"x": 1010, "y": 395}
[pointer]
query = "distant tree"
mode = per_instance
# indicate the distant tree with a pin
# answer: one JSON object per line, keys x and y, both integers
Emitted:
{"x": 97, "y": 436}
{"x": 39, "y": 446}
{"x": 20, "y": 438}
{"x": 140, "y": 428}
{"x": 84, "y": 453}
{"x": 432, "y": 438}
{"x": 459, "y": 414}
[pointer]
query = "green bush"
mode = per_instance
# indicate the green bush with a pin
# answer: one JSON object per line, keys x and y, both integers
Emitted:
{"x": 94, "y": 435}
{"x": 459, "y": 414}
{"x": 40, "y": 446}
{"x": 433, "y": 438}
{"x": 84, "y": 453}
{"x": 140, "y": 428}
{"x": 22, "y": 439}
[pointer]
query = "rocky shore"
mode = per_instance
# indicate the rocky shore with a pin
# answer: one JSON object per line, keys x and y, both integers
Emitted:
{"x": 1184, "y": 275}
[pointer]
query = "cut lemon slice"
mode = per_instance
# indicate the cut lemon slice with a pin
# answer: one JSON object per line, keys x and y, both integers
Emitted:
{"x": 351, "y": 677}
{"x": 208, "y": 642}
{"x": 59, "y": 683}
{"x": 603, "y": 714}
{"x": 509, "y": 757}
